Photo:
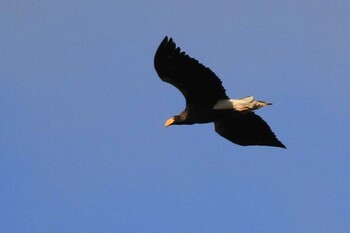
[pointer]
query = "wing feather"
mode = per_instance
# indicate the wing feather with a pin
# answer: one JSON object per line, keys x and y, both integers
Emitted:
{"x": 247, "y": 130}
{"x": 198, "y": 84}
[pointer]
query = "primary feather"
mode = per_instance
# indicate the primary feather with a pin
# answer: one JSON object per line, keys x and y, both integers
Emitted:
{"x": 196, "y": 82}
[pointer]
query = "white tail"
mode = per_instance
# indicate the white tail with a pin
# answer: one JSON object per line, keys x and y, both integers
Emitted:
{"x": 246, "y": 104}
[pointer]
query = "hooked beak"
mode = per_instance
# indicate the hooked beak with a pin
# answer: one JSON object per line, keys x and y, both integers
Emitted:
{"x": 169, "y": 122}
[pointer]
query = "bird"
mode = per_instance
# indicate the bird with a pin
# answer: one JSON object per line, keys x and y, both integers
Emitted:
{"x": 207, "y": 101}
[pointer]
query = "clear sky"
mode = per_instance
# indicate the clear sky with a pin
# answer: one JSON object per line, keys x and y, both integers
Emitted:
{"x": 83, "y": 147}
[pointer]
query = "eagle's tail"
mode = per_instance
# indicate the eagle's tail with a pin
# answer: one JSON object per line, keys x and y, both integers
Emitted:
{"x": 246, "y": 104}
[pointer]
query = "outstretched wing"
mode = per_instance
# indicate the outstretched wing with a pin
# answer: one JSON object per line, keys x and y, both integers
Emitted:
{"x": 197, "y": 83}
{"x": 247, "y": 130}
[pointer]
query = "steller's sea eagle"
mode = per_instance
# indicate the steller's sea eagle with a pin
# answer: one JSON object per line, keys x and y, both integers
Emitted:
{"x": 206, "y": 99}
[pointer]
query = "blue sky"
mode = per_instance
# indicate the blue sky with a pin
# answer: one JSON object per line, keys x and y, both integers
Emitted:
{"x": 83, "y": 144}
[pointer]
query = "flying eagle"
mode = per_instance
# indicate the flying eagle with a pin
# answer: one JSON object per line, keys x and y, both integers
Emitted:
{"x": 206, "y": 99}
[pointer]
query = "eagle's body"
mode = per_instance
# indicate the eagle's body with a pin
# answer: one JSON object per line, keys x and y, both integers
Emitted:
{"x": 206, "y": 99}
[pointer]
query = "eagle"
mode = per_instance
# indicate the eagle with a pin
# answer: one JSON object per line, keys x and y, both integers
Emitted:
{"x": 207, "y": 102}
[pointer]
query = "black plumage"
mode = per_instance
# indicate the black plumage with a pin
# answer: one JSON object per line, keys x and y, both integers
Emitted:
{"x": 203, "y": 90}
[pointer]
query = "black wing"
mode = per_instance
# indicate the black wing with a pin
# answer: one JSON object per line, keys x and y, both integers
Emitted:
{"x": 197, "y": 83}
{"x": 247, "y": 130}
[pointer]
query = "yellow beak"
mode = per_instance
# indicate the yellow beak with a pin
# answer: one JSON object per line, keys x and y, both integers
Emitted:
{"x": 169, "y": 122}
